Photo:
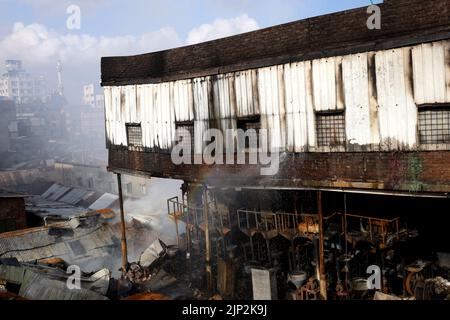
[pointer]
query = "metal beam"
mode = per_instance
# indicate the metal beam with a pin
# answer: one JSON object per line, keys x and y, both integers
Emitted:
{"x": 122, "y": 227}
{"x": 323, "y": 275}
{"x": 207, "y": 241}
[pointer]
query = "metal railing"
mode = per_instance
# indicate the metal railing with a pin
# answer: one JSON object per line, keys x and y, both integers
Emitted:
{"x": 302, "y": 224}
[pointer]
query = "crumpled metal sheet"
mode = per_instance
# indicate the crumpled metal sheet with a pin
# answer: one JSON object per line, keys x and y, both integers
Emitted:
{"x": 152, "y": 253}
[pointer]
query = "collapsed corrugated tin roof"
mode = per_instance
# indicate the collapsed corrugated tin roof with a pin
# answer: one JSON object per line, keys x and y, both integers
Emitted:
{"x": 85, "y": 246}
{"x": 67, "y": 201}
{"x": 36, "y": 285}
{"x": 42, "y": 207}
{"x": 8, "y": 194}
{"x": 105, "y": 201}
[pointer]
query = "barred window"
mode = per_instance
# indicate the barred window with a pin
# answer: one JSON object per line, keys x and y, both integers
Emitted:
{"x": 134, "y": 135}
{"x": 434, "y": 125}
{"x": 185, "y": 130}
{"x": 246, "y": 124}
{"x": 330, "y": 129}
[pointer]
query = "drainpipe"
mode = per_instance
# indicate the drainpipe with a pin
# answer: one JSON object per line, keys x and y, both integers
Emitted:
{"x": 122, "y": 227}
{"x": 323, "y": 276}
{"x": 207, "y": 241}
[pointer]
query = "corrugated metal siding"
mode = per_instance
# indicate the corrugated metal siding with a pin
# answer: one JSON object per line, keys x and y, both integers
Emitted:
{"x": 157, "y": 110}
{"x": 201, "y": 88}
{"x": 246, "y": 87}
{"x": 356, "y": 92}
{"x": 326, "y": 84}
{"x": 379, "y": 103}
{"x": 224, "y": 101}
{"x": 183, "y": 102}
{"x": 299, "y": 107}
{"x": 272, "y": 106}
{"x": 397, "y": 111}
{"x": 429, "y": 63}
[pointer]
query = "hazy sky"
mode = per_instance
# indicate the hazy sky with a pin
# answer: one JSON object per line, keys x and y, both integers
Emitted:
{"x": 35, "y": 30}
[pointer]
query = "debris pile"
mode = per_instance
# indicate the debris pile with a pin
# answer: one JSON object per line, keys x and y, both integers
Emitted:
{"x": 137, "y": 274}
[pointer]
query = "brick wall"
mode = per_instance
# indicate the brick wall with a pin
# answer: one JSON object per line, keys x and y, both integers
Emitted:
{"x": 338, "y": 33}
{"x": 12, "y": 209}
{"x": 399, "y": 171}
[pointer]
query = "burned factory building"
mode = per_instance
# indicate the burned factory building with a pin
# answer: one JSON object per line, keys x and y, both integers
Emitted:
{"x": 359, "y": 119}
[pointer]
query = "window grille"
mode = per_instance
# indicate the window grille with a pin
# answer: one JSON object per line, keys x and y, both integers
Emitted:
{"x": 134, "y": 135}
{"x": 185, "y": 132}
{"x": 434, "y": 125}
{"x": 330, "y": 130}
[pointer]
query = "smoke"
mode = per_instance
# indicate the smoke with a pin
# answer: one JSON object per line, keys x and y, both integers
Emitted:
{"x": 152, "y": 209}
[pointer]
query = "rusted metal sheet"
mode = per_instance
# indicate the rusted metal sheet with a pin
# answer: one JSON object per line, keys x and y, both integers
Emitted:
{"x": 429, "y": 66}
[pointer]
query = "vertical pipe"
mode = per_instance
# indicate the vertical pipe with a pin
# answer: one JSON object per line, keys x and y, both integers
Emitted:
{"x": 175, "y": 217}
{"x": 323, "y": 280}
{"x": 122, "y": 227}
{"x": 188, "y": 220}
{"x": 207, "y": 242}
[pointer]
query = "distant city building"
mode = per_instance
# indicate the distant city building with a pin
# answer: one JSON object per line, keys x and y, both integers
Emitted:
{"x": 99, "y": 100}
{"x": 19, "y": 85}
{"x": 91, "y": 97}
{"x": 88, "y": 96}
{"x": 8, "y": 124}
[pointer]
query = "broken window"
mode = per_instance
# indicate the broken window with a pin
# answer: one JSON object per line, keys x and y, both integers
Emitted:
{"x": 330, "y": 129}
{"x": 134, "y": 135}
{"x": 251, "y": 127}
{"x": 434, "y": 125}
{"x": 185, "y": 130}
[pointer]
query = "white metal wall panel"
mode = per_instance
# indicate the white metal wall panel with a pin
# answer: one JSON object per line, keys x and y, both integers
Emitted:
{"x": 108, "y": 113}
{"x": 299, "y": 109}
{"x": 246, "y": 88}
{"x": 117, "y": 127}
{"x": 129, "y": 104}
{"x": 224, "y": 101}
{"x": 397, "y": 113}
{"x": 356, "y": 93}
{"x": 324, "y": 84}
{"x": 183, "y": 100}
{"x": 429, "y": 71}
{"x": 165, "y": 118}
{"x": 287, "y": 97}
{"x": 146, "y": 105}
{"x": 271, "y": 98}
{"x": 201, "y": 89}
